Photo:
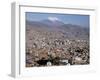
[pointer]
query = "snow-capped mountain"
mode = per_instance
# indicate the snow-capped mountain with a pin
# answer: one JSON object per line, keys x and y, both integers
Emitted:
{"x": 52, "y": 23}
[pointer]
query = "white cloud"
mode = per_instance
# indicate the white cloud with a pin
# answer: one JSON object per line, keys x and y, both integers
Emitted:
{"x": 53, "y": 19}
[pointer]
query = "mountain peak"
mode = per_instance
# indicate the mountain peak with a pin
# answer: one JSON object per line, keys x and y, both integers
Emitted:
{"x": 53, "y": 19}
{"x": 53, "y": 22}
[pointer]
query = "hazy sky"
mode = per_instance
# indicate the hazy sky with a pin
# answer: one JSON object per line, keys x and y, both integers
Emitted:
{"x": 82, "y": 20}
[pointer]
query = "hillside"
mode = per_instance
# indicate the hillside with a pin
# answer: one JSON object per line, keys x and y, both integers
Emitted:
{"x": 56, "y": 42}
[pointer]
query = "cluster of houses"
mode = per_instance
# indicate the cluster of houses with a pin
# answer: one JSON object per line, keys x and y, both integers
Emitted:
{"x": 54, "y": 51}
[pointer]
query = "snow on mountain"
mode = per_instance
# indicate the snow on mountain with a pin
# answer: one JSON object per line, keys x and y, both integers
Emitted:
{"x": 53, "y": 19}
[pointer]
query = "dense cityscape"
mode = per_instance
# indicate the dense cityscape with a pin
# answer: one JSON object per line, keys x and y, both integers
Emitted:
{"x": 56, "y": 46}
